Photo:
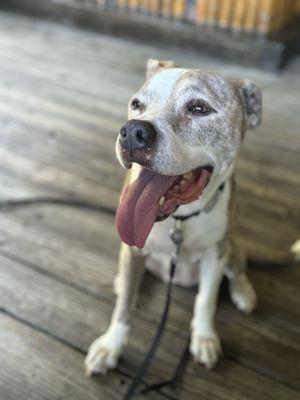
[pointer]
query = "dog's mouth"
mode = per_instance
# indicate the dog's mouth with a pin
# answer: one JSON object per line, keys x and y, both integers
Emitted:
{"x": 153, "y": 197}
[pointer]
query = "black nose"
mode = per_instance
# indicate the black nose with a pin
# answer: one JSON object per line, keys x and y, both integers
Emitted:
{"x": 137, "y": 134}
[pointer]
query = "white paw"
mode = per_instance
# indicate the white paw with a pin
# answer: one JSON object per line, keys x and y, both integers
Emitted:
{"x": 243, "y": 294}
{"x": 104, "y": 352}
{"x": 206, "y": 349}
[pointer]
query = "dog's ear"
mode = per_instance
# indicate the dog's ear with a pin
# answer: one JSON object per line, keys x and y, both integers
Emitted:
{"x": 154, "y": 66}
{"x": 251, "y": 98}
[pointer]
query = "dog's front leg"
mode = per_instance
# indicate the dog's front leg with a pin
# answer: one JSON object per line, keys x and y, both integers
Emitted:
{"x": 104, "y": 352}
{"x": 205, "y": 344}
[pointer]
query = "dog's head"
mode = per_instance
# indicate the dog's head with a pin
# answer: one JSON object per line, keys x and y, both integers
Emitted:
{"x": 185, "y": 128}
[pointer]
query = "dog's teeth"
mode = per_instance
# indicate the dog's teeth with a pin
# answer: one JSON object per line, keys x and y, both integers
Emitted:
{"x": 162, "y": 201}
{"x": 187, "y": 176}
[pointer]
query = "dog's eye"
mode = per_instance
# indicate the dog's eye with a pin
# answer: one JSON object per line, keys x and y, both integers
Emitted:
{"x": 199, "y": 108}
{"x": 135, "y": 104}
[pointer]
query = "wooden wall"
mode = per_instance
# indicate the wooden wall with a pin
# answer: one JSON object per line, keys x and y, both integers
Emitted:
{"x": 262, "y": 16}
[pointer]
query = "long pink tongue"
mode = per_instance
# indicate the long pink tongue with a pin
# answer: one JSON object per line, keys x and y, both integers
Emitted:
{"x": 138, "y": 206}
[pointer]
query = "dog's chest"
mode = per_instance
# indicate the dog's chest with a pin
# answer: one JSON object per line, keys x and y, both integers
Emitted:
{"x": 199, "y": 232}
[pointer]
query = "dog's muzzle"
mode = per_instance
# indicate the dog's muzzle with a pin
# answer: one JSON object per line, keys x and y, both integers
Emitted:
{"x": 136, "y": 135}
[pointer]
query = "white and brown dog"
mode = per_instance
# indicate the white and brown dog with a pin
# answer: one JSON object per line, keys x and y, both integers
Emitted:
{"x": 181, "y": 142}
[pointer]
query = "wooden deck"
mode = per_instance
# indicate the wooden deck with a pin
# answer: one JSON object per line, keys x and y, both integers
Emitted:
{"x": 63, "y": 95}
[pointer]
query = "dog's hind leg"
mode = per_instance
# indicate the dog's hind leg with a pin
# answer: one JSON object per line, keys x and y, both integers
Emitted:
{"x": 241, "y": 289}
{"x": 104, "y": 352}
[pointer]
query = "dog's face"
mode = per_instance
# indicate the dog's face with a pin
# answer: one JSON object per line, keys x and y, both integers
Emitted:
{"x": 199, "y": 119}
{"x": 188, "y": 124}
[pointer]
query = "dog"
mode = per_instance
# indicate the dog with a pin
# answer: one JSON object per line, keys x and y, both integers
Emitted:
{"x": 180, "y": 144}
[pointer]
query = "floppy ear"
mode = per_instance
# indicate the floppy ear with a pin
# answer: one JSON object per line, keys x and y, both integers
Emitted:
{"x": 154, "y": 66}
{"x": 251, "y": 98}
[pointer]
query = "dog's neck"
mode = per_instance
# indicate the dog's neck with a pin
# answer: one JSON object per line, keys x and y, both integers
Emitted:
{"x": 208, "y": 195}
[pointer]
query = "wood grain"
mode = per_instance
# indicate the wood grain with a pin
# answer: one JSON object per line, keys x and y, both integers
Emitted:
{"x": 36, "y": 366}
{"x": 68, "y": 119}
{"x": 59, "y": 118}
{"x": 59, "y": 310}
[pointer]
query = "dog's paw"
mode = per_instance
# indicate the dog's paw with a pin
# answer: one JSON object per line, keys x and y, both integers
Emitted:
{"x": 243, "y": 294}
{"x": 206, "y": 350}
{"x": 104, "y": 352}
{"x": 101, "y": 357}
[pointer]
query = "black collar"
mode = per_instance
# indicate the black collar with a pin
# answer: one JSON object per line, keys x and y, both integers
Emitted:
{"x": 209, "y": 206}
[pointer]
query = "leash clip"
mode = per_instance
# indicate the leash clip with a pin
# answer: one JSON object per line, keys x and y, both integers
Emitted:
{"x": 176, "y": 234}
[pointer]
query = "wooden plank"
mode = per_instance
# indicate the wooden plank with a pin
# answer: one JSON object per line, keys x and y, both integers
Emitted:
{"x": 40, "y": 236}
{"x": 100, "y": 183}
{"x": 250, "y": 18}
{"x": 42, "y": 242}
{"x": 255, "y": 150}
{"x": 99, "y": 178}
{"x": 250, "y": 217}
{"x": 35, "y": 366}
{"x": 51, "y": 144}
{"x": 239, "y": 14}
{"x": 74, "y": 317}
{"x": 114, "y": 61}
{"x": 272, "y": 127}
{"x": 92, "y": 242}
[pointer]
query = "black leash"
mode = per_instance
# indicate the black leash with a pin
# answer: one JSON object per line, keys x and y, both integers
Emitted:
{"x": 9, "y": 205}
{"x": 176, "y": 236}
{"x": 176, "y": 377}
